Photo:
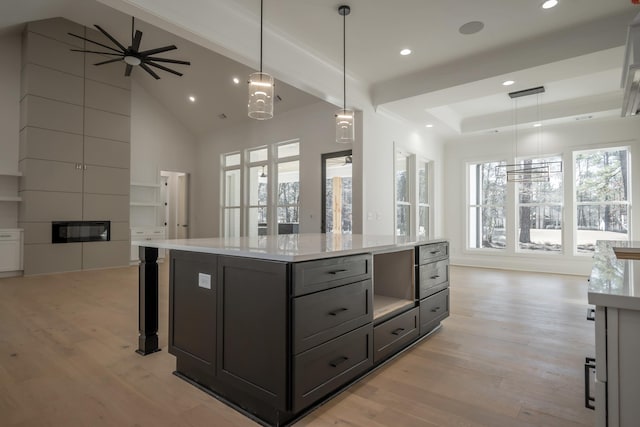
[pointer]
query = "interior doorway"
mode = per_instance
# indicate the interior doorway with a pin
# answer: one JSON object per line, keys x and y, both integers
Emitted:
{"x": 337, "y": 192}
{"x": 174, "y": 193}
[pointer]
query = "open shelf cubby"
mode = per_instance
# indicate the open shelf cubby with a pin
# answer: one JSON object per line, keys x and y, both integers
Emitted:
{"x": 393, "y": 283}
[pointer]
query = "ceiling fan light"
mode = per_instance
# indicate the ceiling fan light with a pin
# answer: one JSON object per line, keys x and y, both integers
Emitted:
{"x": 132, "y": 60}
{"x": 260, "y": 96}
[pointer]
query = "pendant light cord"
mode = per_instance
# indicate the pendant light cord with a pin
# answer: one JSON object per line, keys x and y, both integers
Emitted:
{"x": 132, "y": 28}
{"x": 261, "y": 7}
{"x": 344, "y": 61}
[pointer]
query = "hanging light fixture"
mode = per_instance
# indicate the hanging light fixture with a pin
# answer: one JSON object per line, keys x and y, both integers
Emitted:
{"x": 344, "y": 118}
{"x": 529, "y": 171}
{"x": 260, "y": 88}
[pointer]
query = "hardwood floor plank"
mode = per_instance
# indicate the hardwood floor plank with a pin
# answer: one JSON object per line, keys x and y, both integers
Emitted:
{"x": 510, "y": 355}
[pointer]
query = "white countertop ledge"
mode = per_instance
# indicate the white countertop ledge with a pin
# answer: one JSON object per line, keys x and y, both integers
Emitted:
{"x": 615, "y": 282}
{"x": 290, "y": 247}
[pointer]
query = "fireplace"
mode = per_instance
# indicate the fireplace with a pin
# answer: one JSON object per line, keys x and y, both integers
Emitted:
{"x": 80, "y": 231}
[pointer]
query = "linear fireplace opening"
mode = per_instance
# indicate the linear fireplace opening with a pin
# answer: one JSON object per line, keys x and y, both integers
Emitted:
{"x": 80, "y": 231}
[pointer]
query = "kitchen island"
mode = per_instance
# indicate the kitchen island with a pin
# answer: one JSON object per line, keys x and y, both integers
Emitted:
{"x": 276, "y": 325}
{"x": 614, "y": 288}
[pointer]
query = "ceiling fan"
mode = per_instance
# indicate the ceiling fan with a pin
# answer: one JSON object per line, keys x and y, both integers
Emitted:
{"x": 132, "y": 55}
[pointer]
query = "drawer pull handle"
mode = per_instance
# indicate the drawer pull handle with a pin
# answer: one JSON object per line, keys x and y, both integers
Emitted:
{"x": 433, "y": 310}
{"x": 5, "y": 235}
{"x": 434, "y": 252}
{"x": 435, "y": 277}
{"x": 397, "y": 331}
{"x": 338, "y": 361}
{"x": 338, "y": 311}
{"x": 591, "y": 314}
{"x": 338, "y": 271}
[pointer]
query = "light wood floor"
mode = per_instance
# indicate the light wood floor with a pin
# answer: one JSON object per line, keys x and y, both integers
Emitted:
{"x": 511, "y": 354}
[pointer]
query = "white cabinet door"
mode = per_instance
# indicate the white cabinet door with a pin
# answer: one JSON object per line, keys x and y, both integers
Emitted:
{"x": 10, "y": 250}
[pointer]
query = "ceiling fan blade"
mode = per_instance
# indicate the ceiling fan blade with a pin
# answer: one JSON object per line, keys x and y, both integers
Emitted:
{"x": 150, "y": 71}
{"x": 94, "y": 42}
{"x": 172, "y": 61}
{"x": 157, "y": 50}
{"x": 135, "y": 43}
{"x": 169, "y": 70}
{"x": 109, "y": 61}
{"x": 100, "y": 53}
{"x": 127, "y": 71}
{"x": 116, "y": 42}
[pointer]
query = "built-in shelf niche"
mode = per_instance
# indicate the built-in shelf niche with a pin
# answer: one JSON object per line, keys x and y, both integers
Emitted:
{"x": 393, "y": 283}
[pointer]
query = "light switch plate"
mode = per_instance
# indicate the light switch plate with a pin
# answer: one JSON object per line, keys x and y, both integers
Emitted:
{"x": 204, "y": 280}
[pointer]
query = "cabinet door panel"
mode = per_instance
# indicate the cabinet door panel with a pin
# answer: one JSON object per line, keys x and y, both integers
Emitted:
{"x": 103, "y": 180}
{"x": 47, "y": 144}
{"x": 105, "y": 152}
{"x": 44, "y": 175}
{"x": 47, "y": 206}
{"x": 433, "y": 310}
{"x": 433, "y": 277}
{"x": 252, "y": 327}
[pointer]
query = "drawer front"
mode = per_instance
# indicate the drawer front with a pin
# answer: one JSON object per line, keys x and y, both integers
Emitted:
{"x": 433, "y": 277}
{"x": 392, "y": 335}
{"x": 9, "y": 235}
{"x": 324, "y": 315}
{"x": 428, "y": 253}
{"x": 313, "y": 276}
{"x": 323, "y": 369}
{"x": 433, "y": 310}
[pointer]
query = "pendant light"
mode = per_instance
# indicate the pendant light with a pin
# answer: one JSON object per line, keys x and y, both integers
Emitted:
{"x": 344, "y": 118}
{"x": 260, "y": 88}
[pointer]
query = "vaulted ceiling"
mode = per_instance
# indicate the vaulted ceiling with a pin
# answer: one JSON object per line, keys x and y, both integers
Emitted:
{"x": 451, "y": 80}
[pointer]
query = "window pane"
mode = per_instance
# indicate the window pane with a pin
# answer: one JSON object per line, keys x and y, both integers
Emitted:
{"x": 289, "y": 150}
{"x": 257, "y": 221}
{"x": 423, "y": 223}
{"x": 232, "y": 188}
{"x": 601, "y": 222}
{"x": 540, "y": 228}
{"x": 403, "y": 220}
{"x": 422, "y": 183}
{"x": 602, "y": 175}
{"x": 258, "y": 184}
{"x": 232, "y": 159}
{"x": 487, "y": 227}
{"x": 289, "y": 183}
{"x": 232, "y": 222}
{"x": 338, "y": 195}
{"x": 402, "y": 183}
{"x": 259, "y": 155}
{"x": 541, "y": 192}
{"x": 288, "y": 220}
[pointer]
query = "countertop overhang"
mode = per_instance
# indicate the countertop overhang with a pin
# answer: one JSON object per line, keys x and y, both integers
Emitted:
{"x": 615, "y": 282}
{"x": 291, "y": 247}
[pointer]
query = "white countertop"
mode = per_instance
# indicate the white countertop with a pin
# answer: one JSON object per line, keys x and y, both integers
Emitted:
{"x": 289, "y": 247}
{"x": 614, "y": 282}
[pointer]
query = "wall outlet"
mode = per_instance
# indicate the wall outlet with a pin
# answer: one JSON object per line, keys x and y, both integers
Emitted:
{"x": 204, "y": 280}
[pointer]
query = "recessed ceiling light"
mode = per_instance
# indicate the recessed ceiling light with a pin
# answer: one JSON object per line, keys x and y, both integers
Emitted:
{"x": 507, "y": 83}
{"x": 549, "y": 4}
{"x": 192, "y": 98}
{"x": 236, "y": 80}
{"x": 405, "y": 52}
{"x": 471, "y": 27}
{"x": 429, "y": 125}
{"x": 537, "y": 125}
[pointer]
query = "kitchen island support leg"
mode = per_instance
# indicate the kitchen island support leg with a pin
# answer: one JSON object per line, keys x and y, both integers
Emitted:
{"x": 148, "y": 301}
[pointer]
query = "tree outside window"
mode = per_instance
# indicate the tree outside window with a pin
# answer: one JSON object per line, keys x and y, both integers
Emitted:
{"x": 487, "y": 197}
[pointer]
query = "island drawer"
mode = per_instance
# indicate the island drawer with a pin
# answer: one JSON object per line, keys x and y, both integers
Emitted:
{"x": 428, "y": 253}
{"x": 433, "y": 277}
{"x": 324, "y": 315}
{"x": 433, "y": 310}
{"x": 325, "y": 368}
{"x": 392, "y": 335}
{"x": 313, "y": 276}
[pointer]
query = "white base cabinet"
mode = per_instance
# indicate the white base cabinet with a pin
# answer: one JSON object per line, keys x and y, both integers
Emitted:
{"x": 10, "y": 250}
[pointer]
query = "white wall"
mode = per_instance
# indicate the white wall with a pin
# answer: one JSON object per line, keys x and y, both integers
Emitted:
{"x": 560, "y": 139}
{"x": 10, "y": 52}
{"x": 380, "y": 134}
{"x": 160, "y": 142}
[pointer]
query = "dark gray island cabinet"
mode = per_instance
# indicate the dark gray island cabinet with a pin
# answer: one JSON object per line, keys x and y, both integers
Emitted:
{"x": 276, "y": 338}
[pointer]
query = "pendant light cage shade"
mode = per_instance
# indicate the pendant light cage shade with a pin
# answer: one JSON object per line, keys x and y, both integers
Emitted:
{"x": 344, "y": 126}
{"x": 261, "y": 88}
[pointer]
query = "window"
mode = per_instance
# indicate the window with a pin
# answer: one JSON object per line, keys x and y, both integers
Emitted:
{"x": 602, "y": 196}
{"x": 337, "y": 192}
{"x": 258, "y": 182}
{"x": 403, "y": 194}
{"x": 540, "y": 211}
{"x": 231, "y": 194}
{"x": 423, "y": 198}
{"x": 288, "y": 190}
{"x": 487, "y": 197}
